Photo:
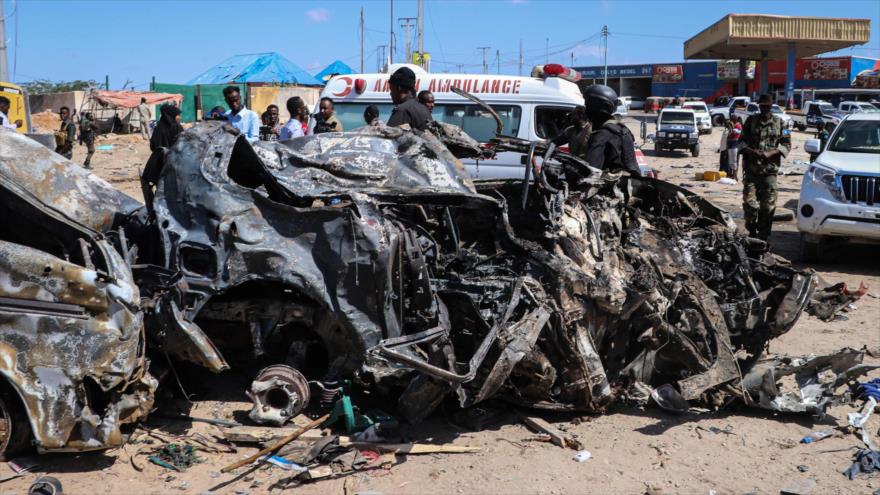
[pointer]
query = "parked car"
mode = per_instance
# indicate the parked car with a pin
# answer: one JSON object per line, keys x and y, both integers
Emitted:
{"x": 677, "y": 129}
{"x": 848, "y": 107}
{"x": 621, "y": 109}
{"x": 752, "y": 109}
{"x": 725, "y": 106}
{"x": 636, "y": 103}
{"x": 840, "y": 193}
{"x": 817, "y": 114}
{"x": 704, "y": 121}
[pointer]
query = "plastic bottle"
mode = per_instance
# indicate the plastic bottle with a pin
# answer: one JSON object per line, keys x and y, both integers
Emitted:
{"x": 815, "y": 436}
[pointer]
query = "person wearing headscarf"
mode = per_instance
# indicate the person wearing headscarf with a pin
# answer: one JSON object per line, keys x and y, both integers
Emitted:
{"x": 167, "y": 129}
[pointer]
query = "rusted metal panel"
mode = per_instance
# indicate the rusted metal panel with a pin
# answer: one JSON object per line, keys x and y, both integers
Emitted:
{"x": 65, "y": 186}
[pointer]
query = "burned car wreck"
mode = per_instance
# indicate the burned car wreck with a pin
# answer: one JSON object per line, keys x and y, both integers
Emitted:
{"x": 71, "y": 334}
{"x": 371, "y": 258}
{"x": 371, "y": 255}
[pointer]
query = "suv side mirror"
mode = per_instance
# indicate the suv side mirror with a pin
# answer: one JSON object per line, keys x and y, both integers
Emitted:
{"x": 813, "y": 146}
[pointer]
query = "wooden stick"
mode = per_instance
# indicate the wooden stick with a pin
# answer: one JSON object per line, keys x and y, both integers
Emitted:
{"x": 559, "y": 438}
{"x": 277, "y": 445}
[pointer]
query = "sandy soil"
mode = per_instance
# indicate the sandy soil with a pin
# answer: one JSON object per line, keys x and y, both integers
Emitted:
{"x": 634, "y": 451}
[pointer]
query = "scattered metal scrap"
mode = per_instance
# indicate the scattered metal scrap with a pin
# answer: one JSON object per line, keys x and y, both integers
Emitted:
{"x": 371, "y": 258}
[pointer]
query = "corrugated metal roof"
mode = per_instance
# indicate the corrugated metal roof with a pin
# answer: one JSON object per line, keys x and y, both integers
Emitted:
{"x": 747, "y": 35}
{"x": 337, "y": 67}
{"x": 267, "y": 67}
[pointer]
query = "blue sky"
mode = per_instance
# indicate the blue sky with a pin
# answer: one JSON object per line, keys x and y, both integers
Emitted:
{"x": 176, "y": 40}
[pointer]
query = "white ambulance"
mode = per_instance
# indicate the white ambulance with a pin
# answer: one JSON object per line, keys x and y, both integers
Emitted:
{"x": 533, "y": 108}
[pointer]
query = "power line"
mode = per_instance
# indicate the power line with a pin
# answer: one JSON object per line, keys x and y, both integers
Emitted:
{"x": 485, "y": 66}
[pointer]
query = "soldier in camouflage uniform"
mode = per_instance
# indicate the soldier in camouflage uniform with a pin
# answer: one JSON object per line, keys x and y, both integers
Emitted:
{"x": 576, "y": 135}
{"x": 766, "y": 142}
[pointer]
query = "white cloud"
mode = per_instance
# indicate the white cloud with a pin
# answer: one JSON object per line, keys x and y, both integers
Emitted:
{"x": 587, "y": 51}
{"x": 318, "y": 15}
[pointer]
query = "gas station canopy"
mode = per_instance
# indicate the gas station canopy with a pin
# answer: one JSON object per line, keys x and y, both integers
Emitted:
{"x": 755, "y": 36}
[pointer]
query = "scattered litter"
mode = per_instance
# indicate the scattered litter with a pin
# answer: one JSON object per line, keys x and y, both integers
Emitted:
{"x": 558, "y": 437}
{"x": 816, "y": 436}
{"x": 797, "y": 167}
{"x": 783, "y": 216}
{"x": 865, "y": 462}
{"x": 583, "y": 456}
{"x": 104, "y": 147}
{"x": 798, "y": 487}
{"x": 46, "y": 485}
{"x": 727, "y": 181}
{"x": 714, "y": 430}
{"x": 710, "y": 175}
{"x": 283, "y": 463}
{"x": 870, "y": 389}
{"x": 803, "y": 468}
{"x": 828, "y": 302}
{"x": 177, "y": 457}
{"x": 23, "y": 465}
{"x": 669, "y": 399}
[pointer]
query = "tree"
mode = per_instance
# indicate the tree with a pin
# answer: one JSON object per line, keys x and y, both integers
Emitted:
{"x": 43, "y": 86}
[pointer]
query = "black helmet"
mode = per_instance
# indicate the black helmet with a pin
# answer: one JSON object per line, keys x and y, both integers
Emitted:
{"x": 600, "y": 99}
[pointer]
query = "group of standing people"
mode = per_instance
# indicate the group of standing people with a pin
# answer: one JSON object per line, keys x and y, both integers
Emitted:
{"x": 167, "y": 129}
{"x": 410, "y": 109}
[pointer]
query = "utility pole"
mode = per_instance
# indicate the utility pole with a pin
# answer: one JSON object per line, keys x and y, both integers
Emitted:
{"x": 362, "y": 40}
{"x": 546, "y": 50}
{"x": 4, "y": 65}
{"x": 381, "y": 60}
{"x": 421, "y": 30}
{"x": 520, "y": 57}
{"x": 605, "y": 37}
{"x": 498, "y": 60}
{"x": 460, "y": 68}
{"x": 572, "y": 59}
{"x": 406, "y": 23}
{"x": 485, "y": 65}
{"x": 391, "y": 40}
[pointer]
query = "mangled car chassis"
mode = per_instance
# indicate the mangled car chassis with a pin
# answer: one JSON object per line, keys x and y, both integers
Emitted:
{"x": 371, "y": 257}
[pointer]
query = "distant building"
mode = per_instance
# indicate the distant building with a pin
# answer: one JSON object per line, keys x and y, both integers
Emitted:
{"x": 710, "y": 79}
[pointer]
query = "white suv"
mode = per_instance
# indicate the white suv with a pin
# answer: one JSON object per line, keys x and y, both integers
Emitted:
{"x": 704, "y": 120}
{"x": 840, "y": 193}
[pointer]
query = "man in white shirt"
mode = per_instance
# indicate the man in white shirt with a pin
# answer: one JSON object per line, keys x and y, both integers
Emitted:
{"x": 246, "y": 121}
{"x": 294, "y": 127}
{"x": 4, "y": 111}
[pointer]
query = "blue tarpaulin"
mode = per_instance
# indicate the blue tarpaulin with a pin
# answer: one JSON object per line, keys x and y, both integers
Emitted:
{"x": 337, "y": 67}
{"x": 268, "y": 67}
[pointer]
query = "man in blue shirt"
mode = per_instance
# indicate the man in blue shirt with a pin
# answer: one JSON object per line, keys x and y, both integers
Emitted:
{"x": 241, "y": 118}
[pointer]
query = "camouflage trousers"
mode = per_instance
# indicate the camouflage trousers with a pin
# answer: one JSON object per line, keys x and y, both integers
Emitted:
{"x": 759, "y": 204}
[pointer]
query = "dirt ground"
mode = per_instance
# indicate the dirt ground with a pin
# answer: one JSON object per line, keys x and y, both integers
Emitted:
{"x": 634, "y": 451}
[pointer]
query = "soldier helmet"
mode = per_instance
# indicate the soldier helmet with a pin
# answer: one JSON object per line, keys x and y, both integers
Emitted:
{"x": 765, "y": 99}
{"x": 600, "y": 99}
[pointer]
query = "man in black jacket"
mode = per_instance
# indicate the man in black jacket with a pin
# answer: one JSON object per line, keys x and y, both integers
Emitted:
{"x": 407, "y": 109}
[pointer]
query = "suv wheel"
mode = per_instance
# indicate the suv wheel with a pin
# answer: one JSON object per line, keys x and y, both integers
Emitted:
{"x": 813, "y": 249}
{"x": 695, "y": 150}
{"x": 15, "y": 431}
{"x": 718, "y": 120}
{"x": 657, "y": 149}
{"x": 800, "y": 127}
